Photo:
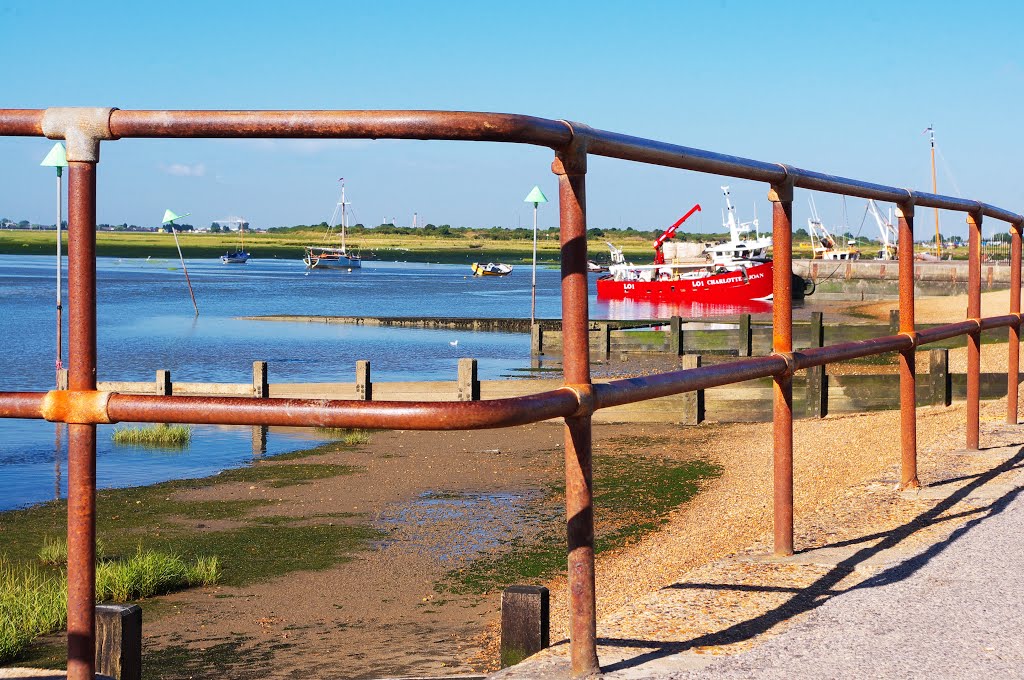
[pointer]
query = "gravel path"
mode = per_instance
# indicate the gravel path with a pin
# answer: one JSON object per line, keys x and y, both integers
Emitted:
{"x": 954, "y": 611}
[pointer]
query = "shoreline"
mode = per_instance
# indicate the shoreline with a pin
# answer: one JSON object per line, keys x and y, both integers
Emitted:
{"x": 419, "y": 506}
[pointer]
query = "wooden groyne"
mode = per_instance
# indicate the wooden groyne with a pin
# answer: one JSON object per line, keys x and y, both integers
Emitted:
{"x": 815, "y": 394}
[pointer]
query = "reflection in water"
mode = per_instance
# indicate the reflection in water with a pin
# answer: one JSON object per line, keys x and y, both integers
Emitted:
{"x": 647, "y": 309}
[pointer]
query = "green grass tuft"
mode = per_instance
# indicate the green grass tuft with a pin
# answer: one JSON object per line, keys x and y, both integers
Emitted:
{"x": 33, "y": 601}
{"x": 54, "y": 552}
{"x": 151, "y": 572}
{"x": 344, "y": 435}
{"x": 154, "y": 435}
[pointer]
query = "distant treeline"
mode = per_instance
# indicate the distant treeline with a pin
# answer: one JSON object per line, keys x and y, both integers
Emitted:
{"x": 492, "y": 233}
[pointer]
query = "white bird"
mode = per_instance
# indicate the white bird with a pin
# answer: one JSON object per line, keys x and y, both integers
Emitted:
{"x": 454, "y": 343}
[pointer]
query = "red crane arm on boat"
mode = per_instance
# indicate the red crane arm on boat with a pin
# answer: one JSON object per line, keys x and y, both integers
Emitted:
{"x": 671, "y": 231}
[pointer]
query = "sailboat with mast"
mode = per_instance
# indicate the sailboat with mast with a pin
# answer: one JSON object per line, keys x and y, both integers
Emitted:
{"x": 332, "y": 257}
{"x": 240, "y": 255}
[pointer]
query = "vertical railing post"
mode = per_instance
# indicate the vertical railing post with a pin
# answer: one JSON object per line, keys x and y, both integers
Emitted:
{"x": 781, "y": 196}
{"x": 81, "y": 438}
{"x": 570, "y": 166}
{"x": 908, "y": 368}
{"x": 1013, "y": 366}
{"x": 974, "y": 337}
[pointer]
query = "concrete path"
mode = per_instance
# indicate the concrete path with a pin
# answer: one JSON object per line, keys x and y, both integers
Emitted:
{"x": 951, "y": 606}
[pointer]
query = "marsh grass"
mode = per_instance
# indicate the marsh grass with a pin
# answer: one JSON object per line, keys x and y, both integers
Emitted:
{"x": 33, "y": 601}
{"x": 344, "y": 435}
{"x": 154, "y": 435}
{"x": 150, "y": 572}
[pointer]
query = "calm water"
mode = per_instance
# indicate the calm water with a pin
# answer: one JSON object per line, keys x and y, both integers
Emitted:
{"x": 146, "y": 322}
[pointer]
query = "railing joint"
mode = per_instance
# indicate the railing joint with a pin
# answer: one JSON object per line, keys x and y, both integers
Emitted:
{"x": 81, "y": 128}
{"x": 585, "y": 398}
{"x": 76, "y": 407}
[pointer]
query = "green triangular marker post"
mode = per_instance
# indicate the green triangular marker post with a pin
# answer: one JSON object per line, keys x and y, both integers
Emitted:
{"x": 169, "y": 218}
{"x": 536, "y": 196}
{"x": 57, "y": 158}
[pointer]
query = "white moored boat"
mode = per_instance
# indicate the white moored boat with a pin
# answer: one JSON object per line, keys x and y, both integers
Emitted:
{"x": 491, "y": 269}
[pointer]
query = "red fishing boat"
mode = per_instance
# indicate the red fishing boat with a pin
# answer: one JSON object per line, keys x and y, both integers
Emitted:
{"x": 731, "y": 273}
{"x": 745, "y": 282}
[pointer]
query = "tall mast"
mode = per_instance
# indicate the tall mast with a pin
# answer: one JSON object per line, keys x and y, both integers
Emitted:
{"x": 935, "y": 190}
{"x": 343, "y": 215}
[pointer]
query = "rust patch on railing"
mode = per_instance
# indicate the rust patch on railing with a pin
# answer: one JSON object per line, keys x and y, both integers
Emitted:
{"x": 80, "y": 407}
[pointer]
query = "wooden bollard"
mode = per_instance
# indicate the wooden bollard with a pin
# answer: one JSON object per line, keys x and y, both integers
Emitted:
{"x": 524, "y": 623}
{"x": 675, "y": 336}
{"x": 469, "y": 385}
{"x": 164, "y": 388}
{"x": 536, "y": 339}
{"x": 746, "y": 337}
{"x": 119, "y": 641}
{"x": 693, "y": 402}
{"x": 942, "y": 384}
{"x": 62, "y": 379}
{"x": 817, "y": 381}
{"x": 894, "y": 321}
{"x": 260, "y": 386}
{"x": 603, "y": 345}
{"x": 364, "y": 388}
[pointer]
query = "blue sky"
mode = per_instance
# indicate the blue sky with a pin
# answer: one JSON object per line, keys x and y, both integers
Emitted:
{"x": 840, "y": 88}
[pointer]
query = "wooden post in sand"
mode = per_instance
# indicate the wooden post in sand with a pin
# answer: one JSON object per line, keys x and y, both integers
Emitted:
{"x": 119, "y": 641}
{"x": 364, "y": 388}
{"x": 942, "y": 385}
{"x": 260, "y": 390}
{"x": 817, "y": 382}
{"x": 536, "y": 339}
{"x": 163, "y": 383}
{"x": 675, "y": 336}
{"x": 524, "y": 623}
{"x": 693, "y": 402}
{"x": 469, "y": 385}
{"x": 746, "y": 338}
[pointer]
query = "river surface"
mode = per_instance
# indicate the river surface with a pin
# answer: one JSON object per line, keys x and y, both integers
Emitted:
{"x": 146, "y": 322}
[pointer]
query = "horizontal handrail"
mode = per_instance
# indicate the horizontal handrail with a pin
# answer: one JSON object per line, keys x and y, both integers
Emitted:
{"x": 493, "y": 127}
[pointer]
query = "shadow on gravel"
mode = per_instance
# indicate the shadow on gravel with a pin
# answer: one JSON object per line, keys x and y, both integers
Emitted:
{"x": 822, "y": 590}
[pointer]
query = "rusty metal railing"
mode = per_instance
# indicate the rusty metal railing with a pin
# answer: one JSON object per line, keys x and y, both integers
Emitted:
{"x": 83, "y": 407}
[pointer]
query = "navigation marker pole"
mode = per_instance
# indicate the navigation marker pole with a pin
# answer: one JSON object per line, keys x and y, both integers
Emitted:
{"x": 536, "y": 196}
{"x": 169, "y": 218}
{"x": 935, "y": 189}
{"x": 58, "y": 160}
